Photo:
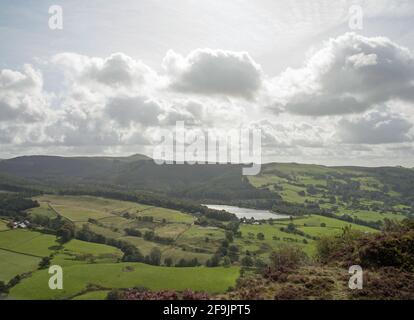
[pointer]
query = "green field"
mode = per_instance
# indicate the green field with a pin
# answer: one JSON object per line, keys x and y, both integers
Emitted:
{"x": 206, "y": 238}
{"x": 28, "y": 242}
{"x": 21, "y": 252}
{"x": 371, "y": 215}
{"x": 274, "y": 237}
{"x": 112, "y": 217}
{"x": 126, "y": 275}
{"x": 3, "y": 225}
{"x": 12, "y": 264}
{"x": 43, "y": 210}
{"x": 250, "y": 242}
{"x": 331, "y": 223}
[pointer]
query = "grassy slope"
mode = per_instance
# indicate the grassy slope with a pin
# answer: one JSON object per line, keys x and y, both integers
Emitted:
{"x": 12, "y": 264}
{"x": 3, "y": 225}
{"x": 27, "y": 242}
{"x": 126, "y": 275}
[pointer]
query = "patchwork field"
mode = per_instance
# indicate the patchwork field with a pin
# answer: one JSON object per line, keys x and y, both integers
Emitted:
{"x": 111, "y": 218}
{"x": 91, "y": 270}
{"x": 345, "y": 191}
{"x": 22, "y": 250}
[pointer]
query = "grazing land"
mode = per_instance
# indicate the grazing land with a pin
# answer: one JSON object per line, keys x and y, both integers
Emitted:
{"x": 126, "y": 275}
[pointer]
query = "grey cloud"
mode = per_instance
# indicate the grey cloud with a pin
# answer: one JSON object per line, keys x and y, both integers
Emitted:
{"x": 117, "y": 70}
{"x": 214, "y": 72}
{"x": 325, "y": 105}
{"x": 375, "y": 128}
{"x": 127, "y": 110}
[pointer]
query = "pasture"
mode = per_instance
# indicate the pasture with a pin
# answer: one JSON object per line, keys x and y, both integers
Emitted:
{"x": 3, "y": 225}
{"x": 12, "y": 264}
{"x": 28, "y": 242}
{"x": 126, "y": 275}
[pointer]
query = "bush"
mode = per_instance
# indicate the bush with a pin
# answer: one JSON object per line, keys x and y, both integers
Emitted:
{"x": 287, "y": 258}
{"x": 44, "y": 263}
{"x": 3, "y": 287}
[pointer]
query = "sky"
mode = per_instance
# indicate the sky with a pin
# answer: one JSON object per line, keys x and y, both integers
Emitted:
{"x": 320, "y": 88}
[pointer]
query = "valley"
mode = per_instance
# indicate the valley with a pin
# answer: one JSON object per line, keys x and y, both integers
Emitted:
{"x": 112, "y": 232}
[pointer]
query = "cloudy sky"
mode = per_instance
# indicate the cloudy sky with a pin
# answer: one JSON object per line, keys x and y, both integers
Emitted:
{"x": 119, "y": 72}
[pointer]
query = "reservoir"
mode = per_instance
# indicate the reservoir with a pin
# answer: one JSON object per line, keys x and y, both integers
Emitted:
{"x": 247, "y": 213}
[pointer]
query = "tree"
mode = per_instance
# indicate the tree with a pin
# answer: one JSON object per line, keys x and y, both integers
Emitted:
{"x": 311, "y": 190}
{"x": 133, "y": 232}
{"x": 233, "y": 253}
{"x": 229, "y": 236}
{"x": 226, "y": 261}
{"x": 66, "y": 232}
{"x": 132, "y": 254}
{"x": 155, "y": 256}
{"x": 247, "y": 261}
{"x": 149, "y": 235}
{"x": 168, "y": 262}
{"x": 182, "y": 263}
{"x": 214, "y": 261}
{"x": 291, "y": 228}
{"x": 260, "y": 236}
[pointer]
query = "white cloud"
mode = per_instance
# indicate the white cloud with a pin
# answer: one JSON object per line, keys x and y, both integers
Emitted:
{"x": 331, "y": 109}
{"x": 350, "y": 74}
{"x": 116, "y": 72}
{"x": 214, "y": 72}
{"x": 21, "y": 95}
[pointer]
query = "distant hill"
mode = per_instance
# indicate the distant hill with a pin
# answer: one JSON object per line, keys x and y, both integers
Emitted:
{"x": 212, "y": 181}
{"x": 136, "y": 172}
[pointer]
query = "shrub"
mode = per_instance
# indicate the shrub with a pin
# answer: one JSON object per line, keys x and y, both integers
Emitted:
{"x": 287, "y": 258}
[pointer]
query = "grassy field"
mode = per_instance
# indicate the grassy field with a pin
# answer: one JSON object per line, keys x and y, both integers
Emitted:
{"x": 12, "y": 264}
{"x": 43, "y": 210}
{"x": 367, "y": 215}
{"x": 143, "y": 245}
{"x": 112, "y": 217}
{"x": 81, "y": 208}
{"x": 331, "y": 223}
{"x": 206, "y": 238}
{"x": 313, "y": 225}
{"x": 28, "y": 242}
{"x": 291, "y": 182}
{"x": 22, "y": 250}
{"x": 273, "y": 238}
{"x": 3, "y": 225}
{"x": 126, "y": 275}
{"x": 88, "y": 265}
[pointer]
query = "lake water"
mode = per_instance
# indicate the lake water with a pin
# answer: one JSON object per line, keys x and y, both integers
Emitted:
{"x": 247, "y": 213}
